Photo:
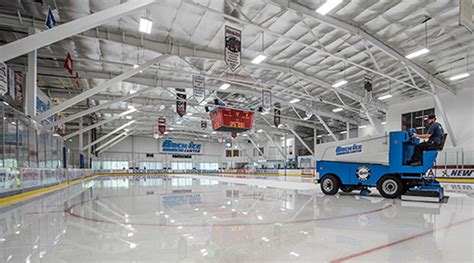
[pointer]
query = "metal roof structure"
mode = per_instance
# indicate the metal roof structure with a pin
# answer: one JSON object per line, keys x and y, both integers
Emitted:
{"x": 306, "y": 54}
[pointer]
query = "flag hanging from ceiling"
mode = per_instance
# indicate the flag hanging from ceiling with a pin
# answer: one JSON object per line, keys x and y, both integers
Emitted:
{"x": 266, "y": 101}
{"x": 181, "y": 104}
{"x": 156, "y": 132}
{"x": 203, "y": 124}
{"x": 233, "y": 47}
{"x": 50, "y": 21}
{"x": 78, "y": 80}
{"x": 233, "y": 135}
{"x": 308, "y": 108}
{"x": 199, "y": 88}
{"x": 368, "y": 83}
{"x": 162, "y": 125}
{"x": 276, "y": 115}
{"x": 69, "y": 64}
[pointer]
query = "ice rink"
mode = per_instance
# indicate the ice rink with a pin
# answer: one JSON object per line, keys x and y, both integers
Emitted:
{"x": 217, "y": 219}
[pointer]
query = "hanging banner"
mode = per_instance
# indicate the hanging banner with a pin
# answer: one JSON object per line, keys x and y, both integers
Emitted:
{"x": 368, "y": 83}
{"x": 3, "y": 79}
{"x": 156, "y": 132}
{"x": 233, "y": 47}
{"x": 68, "y": 64}
{"x": 78, "y": 80}
{"x": 161, "y": 125}
{"x": 308, "y": 108}
{"x": 204, "y": 124}
{"x": 18, "y": 86}
{"x": 181, "y": 104}
{"x": 266, "y": 101}
{"x": 11, "y": 83}
{"x": 276, "y": 115}
{"x": 199, "y": 88}
{"x": 233, "y": 135}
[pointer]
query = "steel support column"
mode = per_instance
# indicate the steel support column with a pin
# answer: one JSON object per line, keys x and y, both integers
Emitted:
{"x": 30, "y": 89}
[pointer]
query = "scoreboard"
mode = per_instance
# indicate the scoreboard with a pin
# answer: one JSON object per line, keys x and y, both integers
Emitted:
{"x": 231, "y": 120}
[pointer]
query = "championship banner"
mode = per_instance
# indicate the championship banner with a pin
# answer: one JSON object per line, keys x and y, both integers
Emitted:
{"x": 18, "y": 86}
{"x": 233, "y": 48}
{"x": 3, "y": 79}
{"x": 266, "y": 100}
{"x": 161, "y": 125}
{"x": 233, "y": 135}
{"x": 199, "y": 88}
{"x": 276, "y": 115}
{"x": 203, "y": 125}
{"x": 308, "y": 108}
{"x": 181, "y": 104}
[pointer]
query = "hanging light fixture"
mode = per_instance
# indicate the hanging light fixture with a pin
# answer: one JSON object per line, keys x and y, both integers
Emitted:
{"x": 145, "y": 23}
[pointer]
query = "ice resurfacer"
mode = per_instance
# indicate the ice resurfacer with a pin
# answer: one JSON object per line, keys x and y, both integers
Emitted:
{"x": 364, "y": 163}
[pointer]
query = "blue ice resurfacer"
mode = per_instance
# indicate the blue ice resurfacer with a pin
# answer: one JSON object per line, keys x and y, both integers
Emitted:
{"x": 393, "y": 179}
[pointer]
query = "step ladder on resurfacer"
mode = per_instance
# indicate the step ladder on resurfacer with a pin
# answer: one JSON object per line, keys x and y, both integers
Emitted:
{"x": 364, "y": 164}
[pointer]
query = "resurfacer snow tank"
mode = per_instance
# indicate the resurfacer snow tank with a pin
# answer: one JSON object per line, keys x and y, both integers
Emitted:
{"x": 364, "y": 163}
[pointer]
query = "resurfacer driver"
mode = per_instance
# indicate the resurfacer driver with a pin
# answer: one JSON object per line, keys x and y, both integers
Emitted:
{"x": 434, "y": 136}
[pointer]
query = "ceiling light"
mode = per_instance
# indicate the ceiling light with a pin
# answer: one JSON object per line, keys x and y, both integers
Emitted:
{"x": 128, "y": 117}
{"x": 145, "y": 25}
{"x": 320, "y": 136}
{"x": 339, "y": 83}
{"x": 132, "y": 91}
{"x": 337, "y": 109}
{"x": 384, "y": 97}
{"x": 165, "y": 132}
{"x": 171, "y": 128}
{"x": 294, "y": 100}
{"x": 265, "y": 113}
{"x": 282, "y": 138}
{"x": 135, "y": 66}
{"x": 203, "y": 103}
{"x": 460, "y": 76}
{"x": 130, "y": 107}
{"x": 56, "y": 135}
{"x": 417, "y": 53}
{"x": 189, "y": 114}
{"x": 328, "y": 6}
{"x": 179, "y": 122}
{"x": 343, "y": 132}
{"x": 6, "y": 103}
{"x": 384, "y": 122}
{"x": 224, "y": 86}
{"x": 245, "y": 135}
{"x": 260, "y": 131}
{"x": 362, "y": 126}
{"x": 213, "y": 132}
{"x": 258, "y": 59}
{"x": 204, "y": 135}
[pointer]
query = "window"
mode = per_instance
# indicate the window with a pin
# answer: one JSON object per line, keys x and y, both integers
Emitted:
{"x": 110, "y": 165}
{"x": 257, "y": 152}
{"x": 181, "y": 166}
{"x": 228, "y": 153}
{"x": 151, "y": 165}
{"x": 208, "y": 166}
{"x": 232, "y": 153}
{"x": 417, "y": 120}
{"x": 236, "y": 153}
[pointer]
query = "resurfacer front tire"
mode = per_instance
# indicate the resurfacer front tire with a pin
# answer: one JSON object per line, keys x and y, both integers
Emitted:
{"x": 329, "y": 184}
{"x": 390, "y": 186}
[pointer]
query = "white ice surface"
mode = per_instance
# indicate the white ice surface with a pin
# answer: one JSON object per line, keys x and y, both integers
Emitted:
{"x": 199, "y": 219}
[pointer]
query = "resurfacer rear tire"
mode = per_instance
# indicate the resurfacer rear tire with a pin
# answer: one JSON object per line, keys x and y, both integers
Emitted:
{"x": 330, "y": 184}
{"x": 390, "y": 186}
